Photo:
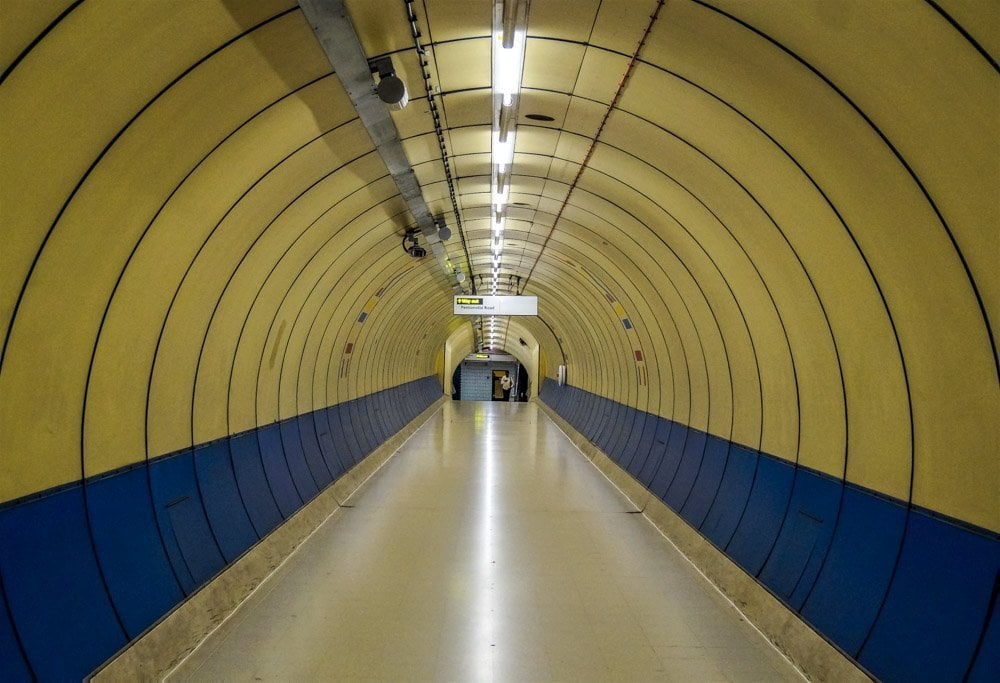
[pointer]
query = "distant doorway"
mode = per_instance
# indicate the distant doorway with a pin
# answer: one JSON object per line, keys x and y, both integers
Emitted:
{"x": 481, "y": 378}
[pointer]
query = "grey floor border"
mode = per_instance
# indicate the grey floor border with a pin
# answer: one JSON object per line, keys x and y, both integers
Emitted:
{"x": 812, "y": 654}
{"x": 166, "y": 644}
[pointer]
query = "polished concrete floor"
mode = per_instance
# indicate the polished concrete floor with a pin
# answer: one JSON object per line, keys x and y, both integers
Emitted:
{"x": 487, "y": 549}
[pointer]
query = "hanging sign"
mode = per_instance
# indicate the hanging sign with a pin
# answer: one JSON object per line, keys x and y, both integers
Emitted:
{"x": 496, "y": 305}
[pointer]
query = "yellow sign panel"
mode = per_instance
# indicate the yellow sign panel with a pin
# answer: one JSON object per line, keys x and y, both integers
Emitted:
{"x": 496, "y": 305}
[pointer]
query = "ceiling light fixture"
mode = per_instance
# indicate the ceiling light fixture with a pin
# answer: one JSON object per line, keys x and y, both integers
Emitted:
{"x": 509, "y": 33}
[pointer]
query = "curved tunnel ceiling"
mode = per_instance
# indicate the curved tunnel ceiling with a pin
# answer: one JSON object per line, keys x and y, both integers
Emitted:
{"x": 780, "y": 227}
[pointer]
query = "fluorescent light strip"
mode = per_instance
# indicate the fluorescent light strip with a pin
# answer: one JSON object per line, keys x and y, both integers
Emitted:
{"x": 503, "y": 152}
{"x": 507, "y": 65}
{"x": 509, "y": 20}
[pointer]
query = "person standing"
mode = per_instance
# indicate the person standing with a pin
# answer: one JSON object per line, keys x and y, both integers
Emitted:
{"x": 506, "y": 383}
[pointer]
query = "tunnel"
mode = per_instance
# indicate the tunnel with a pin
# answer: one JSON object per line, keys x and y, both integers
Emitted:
{"x": 763, "y": 238}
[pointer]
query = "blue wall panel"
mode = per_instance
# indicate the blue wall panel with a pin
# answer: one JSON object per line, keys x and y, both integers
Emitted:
{"x": 586, "y": 408}
{"x": 51, "y": 579}
{"x": 391, "y": 403}
{"x": 139, "y": 577}
{"x": 314, "y": 429}
{"x": 226, "y": 513}
{"x": 630, "y": 445}
{"x": 734, "y": 491}
{"x": 279, "y": 473}
{"x": 304, "y": 427}
{"x": 379, "y": 418}
{"x": 608, "y": 425}
{"x": 272, "y": 450}
{"x": 640, "y": 454}
{"x": 383, "y": 417}
{"x": 628, "y": 418}
{"x": 687, "y": 470}
{"x": 190, "y": 544}
{"x": 592, "y": 419}
{"x": 765, "y": 512}
{"x": 388, "y": 414}
{"x": 12, "y": 663}
{"x": 805, "y": 537}
{"x": 373, "y": 421}
{"x": 603, "y": 416}
{"x": 670, "y": 460}
{"x": 657, "y": 451}
{"x": 358, "y": 425}
{"x": 855, "y": 577}
{"x": 366, "y": 412}
{"x": 388, "y": 407}
{"x": 552, "y": 394}
{"x": 567, "y": 397}
{"x": 333, "y": 441}
{"x": 312, "y": 474}
{"x": 622, "y": 433}
{"x": 936, "y": 607}
{"x": 260, "y": 499}
{"x": 706, "y": 484}
{"x": 986, "y": 667}
{"x": 575, "y": 403}
{"x": 347, "y": 428}
{"x": 628, "y": 435}
{"x": 582, "y": 404}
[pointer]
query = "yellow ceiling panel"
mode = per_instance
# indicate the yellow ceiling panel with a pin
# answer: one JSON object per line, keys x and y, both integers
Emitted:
{"x": 536, "y": 141}
{"x": 583, "y": 119}
{"x": 473, "y": 108}
{"x": 464, "y": 65}
{"x": 23, "y": 21}
{"x": 980, "y": 18}
{"x": 471, "y": 140}
{"x": 551, "y": 65}
{"x": 471, "y": 186}
{"x": 600, "y": 75}
{"x": 620, "y": 24}
{"x": 537, "y": 102}
{"x": 450, "y": 20}
{"x": 529, "y": 166}
{"x": 472, "y": 168}
{"x": 564, "y": 20}
{"x": 423, "y": 151}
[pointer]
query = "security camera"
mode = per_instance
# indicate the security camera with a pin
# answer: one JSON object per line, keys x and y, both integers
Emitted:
{"x": 411, "y": 246}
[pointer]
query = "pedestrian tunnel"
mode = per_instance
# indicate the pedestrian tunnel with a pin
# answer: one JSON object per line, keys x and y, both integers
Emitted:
{"x": 761, "y": 238}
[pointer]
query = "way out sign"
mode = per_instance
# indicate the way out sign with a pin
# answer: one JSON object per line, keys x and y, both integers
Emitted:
{"x": 496, "y": 305}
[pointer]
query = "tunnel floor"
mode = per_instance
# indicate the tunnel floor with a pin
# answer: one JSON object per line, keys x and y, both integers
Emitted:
{"x": 487, "y": 549}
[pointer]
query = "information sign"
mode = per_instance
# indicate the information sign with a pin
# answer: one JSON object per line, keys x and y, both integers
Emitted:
{"x": 496, "y": 305}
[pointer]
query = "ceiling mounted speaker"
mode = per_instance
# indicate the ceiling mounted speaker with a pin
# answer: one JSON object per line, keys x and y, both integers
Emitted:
{"x": 444, "y": 232}
{"x": 392, "y": 91}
